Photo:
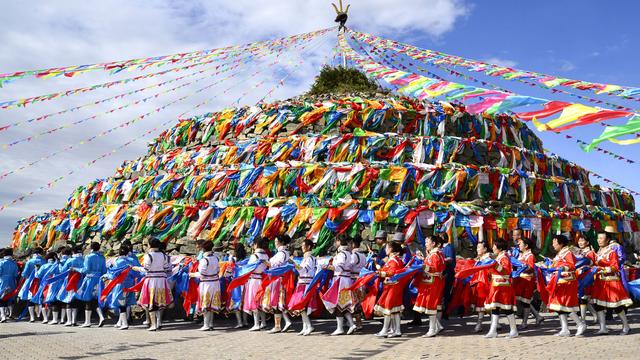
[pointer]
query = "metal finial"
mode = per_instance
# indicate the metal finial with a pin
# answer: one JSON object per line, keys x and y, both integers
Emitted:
{"x": 342, "y": 15}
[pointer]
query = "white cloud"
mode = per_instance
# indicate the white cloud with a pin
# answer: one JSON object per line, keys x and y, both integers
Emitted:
{"x": 566, "y": 65}
{"x": 50, "y": 34}
{"x": 501, "y": 62}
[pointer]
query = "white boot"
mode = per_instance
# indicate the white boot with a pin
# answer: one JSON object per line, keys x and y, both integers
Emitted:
{"x": 582, "y": 326}
{"x": 159, "y": 314}
{"x": 493, "y": 329}
{"x": 124, "y": 322}
{"x": 74, "y": 316}
{"x": 583, "y": 312}
{"x": 304, "y": 326}
{"x": 45, "y": 315}
{"x": 63, "y": 315}
{"x": 146, "y": 321}
{"x": 256, "y": 321}
{"x": 564, "y": 323}
{"x": 277, "y": 320}
{"x": 87, "y": 319}
{"x": 119, "y": 322}
{"x": 513, "y": 329}
{"x": 536, "y": 314}
{"x": 307, "y": 320}
{"x": 478, "y": 326}
{"x": 211, "y": 320}
{"x": 602, "y": 320}
{"x": 100, "y": 316}
{"x": 3, "y": 315}
{"x": 153, "y": 321}
{"x": 339, "y": 327}
{"x": 245, "y": 318}
{"x": 32, "y": 313}
{"x": 206, "y": 321}
{"x": 385, "y": 326}
{"x": 439, "y": 326}
{"x": 593, "y": 312}
{"x": 433, "y": 326}
{"x": 395, "y": 318}
{"x": 263, "y": 320}
{"x": 287, "y": 322}
{"x": 68, "y": 311}
{"x": 525, "y": 317}
{"x": 352, "y": 325}
{"x": 54, "y": 318}
{"x": 239, "y": 320}
{"x": 625, "y": 324}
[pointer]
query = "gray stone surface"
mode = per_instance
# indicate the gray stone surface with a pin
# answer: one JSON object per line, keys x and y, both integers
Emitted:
{"x": 179, "y": 340}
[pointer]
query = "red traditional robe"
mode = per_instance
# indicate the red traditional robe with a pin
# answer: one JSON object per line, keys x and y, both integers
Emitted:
{"x": 563, "y": 294}
{"x": 430, "y": 284}
{"x": 480, "y": 283}
{"x": 501, "y": 294}
{"x": 591, "y": 255}
{"x": 525, "y": 284}
{"x": 390, "y": 302}
{"x": 608, "y": 290}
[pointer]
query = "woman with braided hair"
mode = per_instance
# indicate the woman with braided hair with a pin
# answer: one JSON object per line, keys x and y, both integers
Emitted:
{"x": 501, "y": 298}
{"x": 430, "y": 283}
{"x": 563, "y": 298}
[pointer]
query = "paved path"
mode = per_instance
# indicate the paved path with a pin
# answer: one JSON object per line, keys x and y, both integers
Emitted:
{"x": 179, "y": 340}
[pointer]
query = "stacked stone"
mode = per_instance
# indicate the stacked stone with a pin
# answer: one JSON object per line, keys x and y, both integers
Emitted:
{"x": 156, "y": 179}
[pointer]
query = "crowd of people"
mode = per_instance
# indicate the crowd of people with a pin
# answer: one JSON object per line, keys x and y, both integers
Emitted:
{"x": 506, "y": 278}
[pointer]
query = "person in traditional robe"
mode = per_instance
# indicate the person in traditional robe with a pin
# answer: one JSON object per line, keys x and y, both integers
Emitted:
{"x": 274, "y": 300}
{"x": 586, "y": 251}
{"x": 209, "y": 295}
{"x": 525, "y": 285}
{"x": 93, "y": 268}
{"x": 8, "y": 282}
{"x": 239, "y": 254}
{"x": 250, "y": 303}
{"x": 338, "y": 300}
{"x": 608, "y": 291}
{"x": 501, "y": 299}
{"x": 51, "y": 299}
{"x": 431, "y": 283}
{"x": 563, "y": 298}
{"x": 480, "y": 283}
{"x": 28, "y": 273}
{"x": 68, "y": 297}
{"x": 119, "y": 299}
{"x": 358, "y": 262}
{"x": 155, "y": 294}
{"x": 306, "y": 272}
{"x": 46, "y": 271}
{"x": 390, "y": 305}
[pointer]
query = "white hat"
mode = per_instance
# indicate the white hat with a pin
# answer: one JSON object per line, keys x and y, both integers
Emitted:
{"x": 610, "y": 229}
{"x": 381, "y": 234}
{"x": 398, "y": 237}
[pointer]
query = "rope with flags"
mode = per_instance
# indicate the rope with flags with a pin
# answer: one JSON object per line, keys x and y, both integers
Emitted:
{"x": 377, "y": 43}
{"x": 383, "y": 56}
{"x": 139, "y": 64}
{"x": 143, "y": 136}
{"x": 506, "y": 73}
{"x": 491, "y": 101}
{"x": 125, "y": 124}
{"x": 230, "y": 58}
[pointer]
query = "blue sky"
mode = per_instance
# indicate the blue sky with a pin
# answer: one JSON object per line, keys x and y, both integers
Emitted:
{"x": 590, "y": 40}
